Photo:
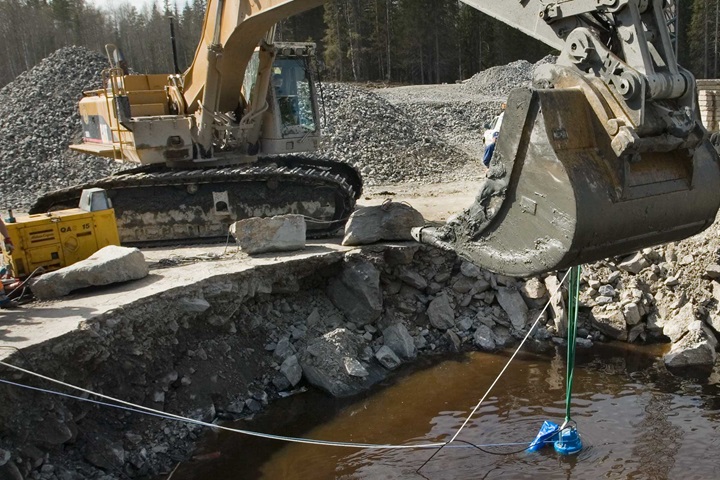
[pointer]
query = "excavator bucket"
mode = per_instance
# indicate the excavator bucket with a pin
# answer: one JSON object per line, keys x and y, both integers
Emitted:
{"x": 557, "y": 195}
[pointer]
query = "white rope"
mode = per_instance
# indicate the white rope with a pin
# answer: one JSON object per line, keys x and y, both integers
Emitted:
{"x": 537, "y": 320}
{"x": 170, "y": 416}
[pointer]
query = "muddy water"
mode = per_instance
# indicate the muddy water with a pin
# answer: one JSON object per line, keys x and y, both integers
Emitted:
{"x": 636, "y": 422}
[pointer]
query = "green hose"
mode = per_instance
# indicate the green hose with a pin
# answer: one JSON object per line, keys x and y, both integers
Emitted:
{"x": 573, "y": 294}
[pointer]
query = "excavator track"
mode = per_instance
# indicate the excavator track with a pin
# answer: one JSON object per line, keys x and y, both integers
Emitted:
{"x": 160, "y": 206}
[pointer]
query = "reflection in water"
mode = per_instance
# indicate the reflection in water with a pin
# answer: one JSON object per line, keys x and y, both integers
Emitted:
{"x": 636, "y": 422}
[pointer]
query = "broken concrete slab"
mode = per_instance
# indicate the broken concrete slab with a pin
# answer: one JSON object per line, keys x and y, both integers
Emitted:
{"x": 389, "y": 221}
{"x": 109, "y": 265}
{"x": 282, "y": 233}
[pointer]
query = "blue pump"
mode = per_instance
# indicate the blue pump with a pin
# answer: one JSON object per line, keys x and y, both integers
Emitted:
{"x": 569, "y": 442}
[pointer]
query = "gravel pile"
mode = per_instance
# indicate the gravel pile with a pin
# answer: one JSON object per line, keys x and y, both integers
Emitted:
{"x": 458, "y": 113}
{"x": 39, "y": 119}
{"x": 386, "y": 143}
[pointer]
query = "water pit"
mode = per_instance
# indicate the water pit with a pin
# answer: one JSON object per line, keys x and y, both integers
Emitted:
{"x": 229, "y": 343}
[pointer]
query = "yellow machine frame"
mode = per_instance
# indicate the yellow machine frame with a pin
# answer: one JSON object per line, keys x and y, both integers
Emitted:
{"x": 57, "y": 239}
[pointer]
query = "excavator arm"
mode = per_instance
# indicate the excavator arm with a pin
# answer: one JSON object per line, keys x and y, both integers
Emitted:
{"x": 606, "y": 155}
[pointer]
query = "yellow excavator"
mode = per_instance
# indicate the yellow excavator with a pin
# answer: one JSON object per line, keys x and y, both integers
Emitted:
{"x": 605, "y": 155}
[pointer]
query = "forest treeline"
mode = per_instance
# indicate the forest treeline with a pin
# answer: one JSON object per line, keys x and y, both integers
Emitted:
{"x": 398, "y": 41}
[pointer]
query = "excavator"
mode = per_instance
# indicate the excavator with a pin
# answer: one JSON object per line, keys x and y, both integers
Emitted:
{"x": 603, "y": 156}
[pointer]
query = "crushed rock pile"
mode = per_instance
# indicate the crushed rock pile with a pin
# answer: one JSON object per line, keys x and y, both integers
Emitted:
{"x": 458, "y": 113}
{"x": 386, "y": 143}
{"x": 501, "y": 80}
{"x": 39, "y": 119}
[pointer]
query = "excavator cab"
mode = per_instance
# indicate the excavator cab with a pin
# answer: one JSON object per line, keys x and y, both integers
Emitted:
{"x": 604, "y": 156}
{"x": 291, "y": 122}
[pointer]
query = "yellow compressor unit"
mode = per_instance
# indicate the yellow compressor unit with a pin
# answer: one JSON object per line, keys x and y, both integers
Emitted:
{"x": 57, "y": 239}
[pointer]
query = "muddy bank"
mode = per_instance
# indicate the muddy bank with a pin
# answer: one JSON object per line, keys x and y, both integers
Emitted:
{"x": 228, "y": 345}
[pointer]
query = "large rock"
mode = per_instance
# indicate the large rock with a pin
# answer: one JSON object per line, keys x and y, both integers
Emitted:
{"x": 111, "y": 264}
{"x": 484, "y": 338}
{"x": 611, "y": 323}
{"x": 634, "y": 263}
{"x": 387, "y": 358}
{"x": 400, "y": 341}
{"x": 292, "y": 370}
{"x": 695, "y": 349}
{"x": 105, "y": 454}
{"x": 676, "y": 327}
{"x": 331, "y": 363}
{"x": 390, "y": 221}
{"x": 356, "y": 292}
{"x": 283, "y": 233}
{"x": 512, "y": 302}
{"x": 440, "y": 313}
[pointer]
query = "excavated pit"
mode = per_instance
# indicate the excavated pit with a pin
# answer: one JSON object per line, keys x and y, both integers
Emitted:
{"x": 215, "y": 349}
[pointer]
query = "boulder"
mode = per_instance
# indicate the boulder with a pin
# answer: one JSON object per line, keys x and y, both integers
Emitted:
{"x": 413, "y": 279}
{"x": 400, "y": 341}
{"x": 356, "y": 292}
{"x": 484, "y": 338}
{"x": 501, "y": 336}
{"x": 111, "y": 264}
{"x": 512, "y": 302}
{"x": 611, "y": 323}
{"x": 470, "y": 270}
{"x": 283, "y": 233}
{"x": 631, "y": 312}
{"x": 390, "y": 221}
{"x": 534, "y": 291}
{"x": 440, "y": 313}
{"x": 105, "y": 454}
{"x": 712, "y": 271}
{"x": 634, "y": 263}
{"x": 695, "y": 349}
{"x": 330, "y": 362}
{"x": 676, "y": 327}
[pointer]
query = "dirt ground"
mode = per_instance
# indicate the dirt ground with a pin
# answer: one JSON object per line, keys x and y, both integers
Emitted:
{"x": 437, "y": 202}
